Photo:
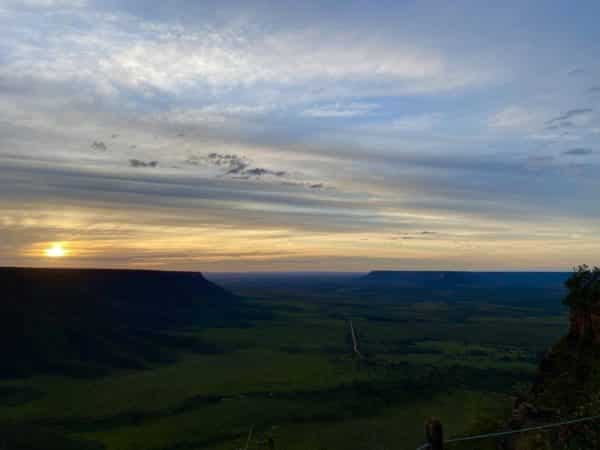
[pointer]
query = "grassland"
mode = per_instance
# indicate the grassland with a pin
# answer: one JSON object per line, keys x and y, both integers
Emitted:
{"x": 293, "y": 378}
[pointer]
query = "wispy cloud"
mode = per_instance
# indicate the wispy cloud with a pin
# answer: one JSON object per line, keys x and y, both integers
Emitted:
{"x": 269, "y": 124}
{"x": 570, "y": 114}
{"x": 338, "y": 110}
{"x": 578, "y": 151}
{"x": 420, "y": 122}
{"x": 116, "y": 52}
{"x": 235, "y": 165}
{"x": 260, "y": 171}
{"x": 517, "y": 117}
{"x": 576, "y": 71}
{"x": 46, "y": 4}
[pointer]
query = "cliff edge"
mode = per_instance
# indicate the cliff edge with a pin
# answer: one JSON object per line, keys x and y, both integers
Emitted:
{"x": 567, "y": 385}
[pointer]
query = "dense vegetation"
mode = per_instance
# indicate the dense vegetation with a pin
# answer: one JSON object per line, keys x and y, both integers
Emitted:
{"x": 584, "y": 288}
{"x": 274, "y": 362}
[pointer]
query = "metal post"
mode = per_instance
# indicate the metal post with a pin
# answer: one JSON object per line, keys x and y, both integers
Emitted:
{"x": 434, "y": 433}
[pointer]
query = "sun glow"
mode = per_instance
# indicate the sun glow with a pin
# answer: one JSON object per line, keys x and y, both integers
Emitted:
{"x": 56, "y": 251}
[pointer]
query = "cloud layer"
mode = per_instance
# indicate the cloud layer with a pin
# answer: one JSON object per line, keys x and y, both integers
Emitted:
{"x": 257, "y": 139}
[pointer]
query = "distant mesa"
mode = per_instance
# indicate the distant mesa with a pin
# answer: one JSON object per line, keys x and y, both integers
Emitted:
{"x": 103, "y": 319}
{"x": 143, "y": 287}
{"x": 463, "y": 278}
{"x": 418, "y": 278}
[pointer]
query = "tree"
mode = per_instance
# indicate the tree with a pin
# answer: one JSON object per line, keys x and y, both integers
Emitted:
{"x": 584, "y": 288}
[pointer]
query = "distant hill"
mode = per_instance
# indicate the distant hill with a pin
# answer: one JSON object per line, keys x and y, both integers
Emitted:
{"x": 418, "y": 278}
{"x": 456, "y": 278}
{"x": 519, "y": 288}
{"x": 84, "y": 322}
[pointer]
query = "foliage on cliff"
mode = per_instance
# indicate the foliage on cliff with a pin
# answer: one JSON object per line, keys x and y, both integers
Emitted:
{"x": 584, "y": 287}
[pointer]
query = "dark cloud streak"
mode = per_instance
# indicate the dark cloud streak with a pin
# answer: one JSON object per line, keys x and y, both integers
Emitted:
{"x": 99, "y": 145}
{"x": 138, "y": 163}
{"x": 569, "y": 114}
{"x": 578, "y": 151}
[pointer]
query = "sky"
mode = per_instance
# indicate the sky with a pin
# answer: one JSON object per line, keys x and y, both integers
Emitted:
{"x": 299, "y": 136}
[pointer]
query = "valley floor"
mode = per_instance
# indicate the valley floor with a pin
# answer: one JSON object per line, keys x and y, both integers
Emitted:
{"x": 294, "y": 378}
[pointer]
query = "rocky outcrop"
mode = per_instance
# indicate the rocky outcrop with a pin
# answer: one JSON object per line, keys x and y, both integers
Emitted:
{"x": 567, "y": 384}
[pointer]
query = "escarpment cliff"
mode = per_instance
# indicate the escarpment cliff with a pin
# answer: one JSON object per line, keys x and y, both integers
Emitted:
{"x": 567, "y": 385}
{"x": 87, "y": 322}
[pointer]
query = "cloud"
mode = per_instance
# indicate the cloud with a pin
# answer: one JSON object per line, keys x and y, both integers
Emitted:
{"x": 338, "y": 110}
{"x": 594, "y": 89}
{"x": 229, "y": 162}
{"x": 560, "y": 125}
{"x": 516, "y": 117}
{"x": 578, "y": 151}
{"x": 540, "y": 159}
{"x": 306, "y": 185}
{"x": 215, "y": 113}
{"x": 99, "y": 145}
{"x": 570, "y": 114}
{"x": 233, "y": 58}
{"x": 46, "y": 4}
{"x": 233, "y": 164}
{"x": 289, "y": 124}
{"x": 119, "y": 55}
{"x": 138, "y": 163}
{"x": 259, "y": 171}
{"x": 420, "y": 122}
{"x": 576, "y": 71}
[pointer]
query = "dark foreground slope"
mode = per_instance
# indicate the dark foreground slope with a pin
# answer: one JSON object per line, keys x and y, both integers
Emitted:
{"x": 83, "y": 322}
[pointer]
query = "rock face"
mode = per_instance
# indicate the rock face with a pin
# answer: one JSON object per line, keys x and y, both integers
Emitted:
{"x": 567, "y": 384}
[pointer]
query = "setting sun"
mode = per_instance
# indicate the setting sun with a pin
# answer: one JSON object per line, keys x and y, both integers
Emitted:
{"x": 56, "y": 251}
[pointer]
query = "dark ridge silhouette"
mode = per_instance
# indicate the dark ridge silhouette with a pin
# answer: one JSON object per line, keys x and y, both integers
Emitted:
{"x": 508, "y": 288}
{"x": 84, "y": 322}
{"x": 458, "y": 278}
{"x": 417, "y": 278}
